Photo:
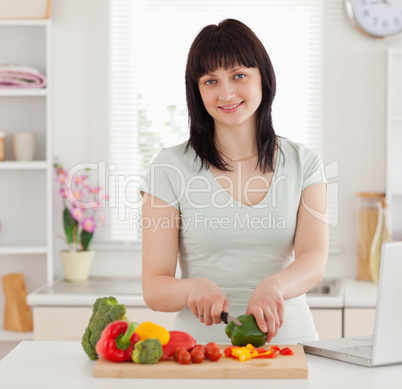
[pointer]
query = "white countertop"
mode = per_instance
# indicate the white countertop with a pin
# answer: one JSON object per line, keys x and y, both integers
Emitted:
{"x": 48, "y": 365}
{"x": 360, "y": 294}
{"x": 128, "y": 291}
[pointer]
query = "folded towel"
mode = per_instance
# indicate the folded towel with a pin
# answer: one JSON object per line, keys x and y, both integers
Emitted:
{"x": 20, "y": 76}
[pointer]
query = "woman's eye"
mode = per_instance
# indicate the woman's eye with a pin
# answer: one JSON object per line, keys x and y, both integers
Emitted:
{"x": 209, "y": 82}
{"x": 240, "y": 76}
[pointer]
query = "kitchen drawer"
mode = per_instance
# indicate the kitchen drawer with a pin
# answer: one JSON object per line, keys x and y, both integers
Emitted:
{"x": 69, "y": 323}
{"x": 328, "y": 322}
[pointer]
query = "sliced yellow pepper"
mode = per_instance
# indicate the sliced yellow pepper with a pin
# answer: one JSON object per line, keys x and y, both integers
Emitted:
{"x": 148, "y": 330}
{"x": 244, "y": 353}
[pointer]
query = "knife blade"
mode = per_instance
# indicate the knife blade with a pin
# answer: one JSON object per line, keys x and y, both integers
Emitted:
{"x": 226, "y": 318}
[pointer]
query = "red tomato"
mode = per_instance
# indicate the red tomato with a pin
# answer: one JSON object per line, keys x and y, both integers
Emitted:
{"x": 209, "y": 345}
{"x": 286, "y": 351}
{"x": 199, "y": 347}
{"x": 184, "y": 357}
{"x": 214, "y": 353}
{"x": 177, "y": 352}
{"x": 197, "y": 355}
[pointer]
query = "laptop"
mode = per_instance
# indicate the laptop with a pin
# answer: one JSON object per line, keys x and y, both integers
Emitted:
{"x": 385, "y": 346}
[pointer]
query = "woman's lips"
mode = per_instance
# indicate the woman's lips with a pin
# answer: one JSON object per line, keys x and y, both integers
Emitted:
{"x": 230, "y": 108}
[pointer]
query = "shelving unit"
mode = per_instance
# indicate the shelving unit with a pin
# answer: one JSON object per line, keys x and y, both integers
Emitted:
{"x": 22, "y": 92}
{"x": 17, "y": 165}
{"x": 394, "y": 142}
{"x": 26, "y": 196}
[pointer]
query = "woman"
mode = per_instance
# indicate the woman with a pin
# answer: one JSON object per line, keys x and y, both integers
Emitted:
{"x": 242, "y": 209}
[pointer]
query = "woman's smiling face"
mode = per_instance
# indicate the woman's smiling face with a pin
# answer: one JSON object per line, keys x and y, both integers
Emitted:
{"x": 231, "y": 96}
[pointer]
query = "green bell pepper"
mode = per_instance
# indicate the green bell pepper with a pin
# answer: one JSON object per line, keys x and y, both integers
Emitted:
{"x": 247, "y": 333}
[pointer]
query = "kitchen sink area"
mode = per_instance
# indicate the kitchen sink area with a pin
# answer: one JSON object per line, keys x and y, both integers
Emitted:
{"x": 327, "y": 287}
{"x": 328, "y": 293}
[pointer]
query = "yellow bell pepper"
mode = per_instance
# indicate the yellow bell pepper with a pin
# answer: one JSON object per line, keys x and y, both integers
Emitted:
{"x": 148, "y": 330}
{"x": 244, "y": 353}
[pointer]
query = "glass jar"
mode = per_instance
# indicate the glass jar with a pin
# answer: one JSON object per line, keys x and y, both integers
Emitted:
{"x": 368, "y": 205}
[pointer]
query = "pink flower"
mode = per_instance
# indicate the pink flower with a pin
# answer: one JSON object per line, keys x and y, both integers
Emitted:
{"x": 77, "y": 214}
{"x": 62, "y": 193}
{"x": 79, "y": 179}
{"x": 61, "y": 178}
{"x": 101, "y": 217}
{"x": 88, "y": 224}
{"x": 77, "y": 194}
{"x": 60, "y": 170}
{"x": 94, "y": 190}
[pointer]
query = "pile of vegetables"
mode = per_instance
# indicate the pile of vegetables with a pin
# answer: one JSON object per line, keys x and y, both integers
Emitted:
{"x": 110, "y": 335}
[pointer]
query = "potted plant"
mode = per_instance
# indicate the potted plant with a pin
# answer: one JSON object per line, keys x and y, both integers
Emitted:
{"x": 80, "y": 216}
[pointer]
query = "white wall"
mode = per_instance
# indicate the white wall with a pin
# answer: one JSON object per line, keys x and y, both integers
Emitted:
{"x": 361, "y": 163}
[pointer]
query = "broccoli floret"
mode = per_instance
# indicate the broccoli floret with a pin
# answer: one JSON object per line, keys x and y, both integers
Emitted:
{"x": 105, "y": 311}
{"x": 147, "y": 351}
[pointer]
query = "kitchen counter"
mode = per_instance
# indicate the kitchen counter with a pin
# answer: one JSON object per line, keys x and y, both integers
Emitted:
{"x": 359, "y": 294}
{"x": 45, "y": 365}
{"x": 128, "y": 291}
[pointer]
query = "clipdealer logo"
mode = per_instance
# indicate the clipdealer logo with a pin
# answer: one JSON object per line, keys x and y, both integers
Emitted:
{"x": 119, "y": 186}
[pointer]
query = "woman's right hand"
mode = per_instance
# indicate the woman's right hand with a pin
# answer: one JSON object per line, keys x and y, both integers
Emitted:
{"x": 207, "y": 301}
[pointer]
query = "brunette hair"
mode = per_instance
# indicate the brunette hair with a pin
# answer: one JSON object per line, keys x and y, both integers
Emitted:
{"x": 228, "y": 44}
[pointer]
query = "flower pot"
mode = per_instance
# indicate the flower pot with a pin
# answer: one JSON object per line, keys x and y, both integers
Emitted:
{"x": 77, "y": 264}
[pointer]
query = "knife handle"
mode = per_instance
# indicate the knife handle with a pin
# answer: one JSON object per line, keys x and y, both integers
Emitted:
{"x": 224, "y": 317}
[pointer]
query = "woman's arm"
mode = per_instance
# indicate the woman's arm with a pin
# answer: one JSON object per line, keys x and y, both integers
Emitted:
{"x": 160, "y": 246}
{"x": 311, "y": 252}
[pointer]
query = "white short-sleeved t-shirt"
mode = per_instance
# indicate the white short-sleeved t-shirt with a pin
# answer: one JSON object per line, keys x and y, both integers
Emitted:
{"x": 233, "y": 244}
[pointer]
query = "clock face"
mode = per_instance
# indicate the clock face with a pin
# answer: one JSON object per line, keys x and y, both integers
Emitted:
{"x": 379, "y": 18}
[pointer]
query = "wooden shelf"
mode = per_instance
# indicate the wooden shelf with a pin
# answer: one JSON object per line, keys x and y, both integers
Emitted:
{"x": 19, "y": 165}
{"x": 22, "y": 249}
{"x": 14, "y": 336}
{"x": 23, "y": 92}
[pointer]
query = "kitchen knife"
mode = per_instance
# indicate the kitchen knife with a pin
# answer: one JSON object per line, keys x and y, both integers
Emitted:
{"x": 226, "y": 318}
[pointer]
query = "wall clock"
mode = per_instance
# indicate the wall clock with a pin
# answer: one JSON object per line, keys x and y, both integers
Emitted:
{"x": 376, "y": 18}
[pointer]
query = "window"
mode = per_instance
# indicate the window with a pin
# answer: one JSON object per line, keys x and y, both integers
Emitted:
{"x": 146, "y": 107}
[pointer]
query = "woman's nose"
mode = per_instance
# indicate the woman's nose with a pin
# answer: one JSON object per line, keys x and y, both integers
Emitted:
{"x": 226, "y": 91}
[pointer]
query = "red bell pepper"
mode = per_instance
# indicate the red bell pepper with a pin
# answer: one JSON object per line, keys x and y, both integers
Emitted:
{"x": 274, "y": 348}
{"x": 228, "y": 351}
{"x": 177, "y": 339}
{"x": 286, "y": 351}
{"x": 117, "y": 341}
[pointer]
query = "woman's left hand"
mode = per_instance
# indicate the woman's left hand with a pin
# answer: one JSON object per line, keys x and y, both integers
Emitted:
{"x": 267, "y": 306}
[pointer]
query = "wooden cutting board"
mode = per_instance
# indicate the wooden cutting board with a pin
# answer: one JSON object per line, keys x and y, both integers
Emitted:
{"x": 283, "y": 366}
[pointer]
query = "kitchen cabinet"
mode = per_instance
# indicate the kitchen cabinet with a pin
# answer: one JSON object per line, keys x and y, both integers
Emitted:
{"x": 69, "y": 323}
{"x": 26, "y": 187}
{"x": 328, "y": 322}
{"x": 394, "y": 142}
{"x": 359, "y": 321}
